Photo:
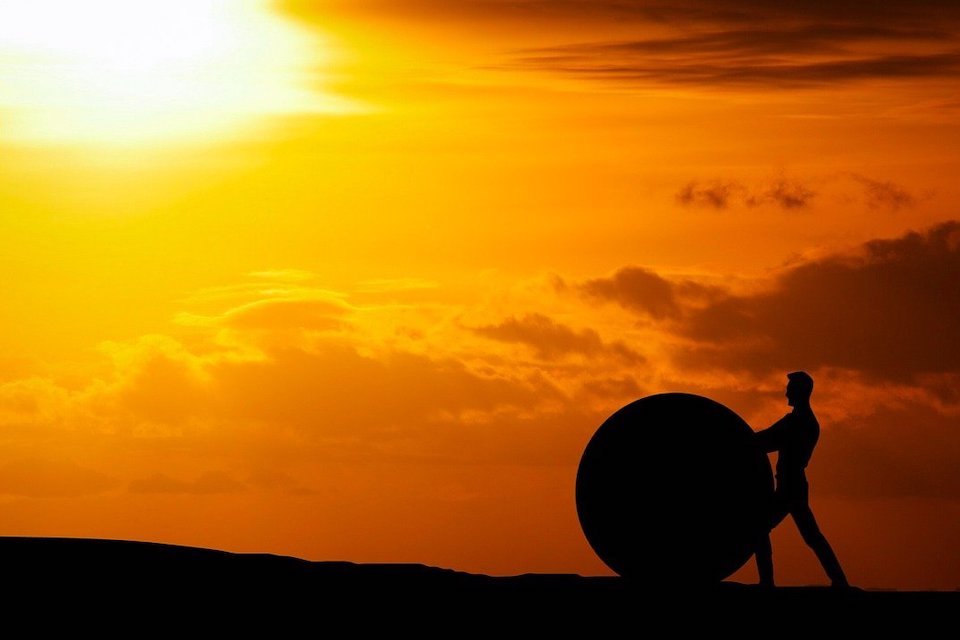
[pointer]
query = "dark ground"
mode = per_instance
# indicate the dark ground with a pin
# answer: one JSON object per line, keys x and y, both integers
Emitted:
{"x": 139, "y": 586}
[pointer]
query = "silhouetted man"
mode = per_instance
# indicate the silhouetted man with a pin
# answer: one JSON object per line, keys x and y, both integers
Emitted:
{"x": 794, "y": 436}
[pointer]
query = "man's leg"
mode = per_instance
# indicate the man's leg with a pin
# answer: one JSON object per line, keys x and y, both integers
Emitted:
{"x": 815, "y": 539}
{"x": 763, "y": 549}
{"x": 764, "y": 553}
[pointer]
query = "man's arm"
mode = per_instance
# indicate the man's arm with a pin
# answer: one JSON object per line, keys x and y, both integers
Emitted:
{"x": 771, "y": 438}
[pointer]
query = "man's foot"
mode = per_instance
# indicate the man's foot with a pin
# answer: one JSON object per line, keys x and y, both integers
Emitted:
{"x": 840, "y": 584}
{"x": 766, "y": 584}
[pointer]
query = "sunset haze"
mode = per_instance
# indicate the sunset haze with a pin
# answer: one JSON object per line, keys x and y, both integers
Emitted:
{"x": 359, "y": 280}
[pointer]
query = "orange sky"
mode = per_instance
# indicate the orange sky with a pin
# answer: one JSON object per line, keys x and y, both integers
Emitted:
{"x": 358, "y": 280}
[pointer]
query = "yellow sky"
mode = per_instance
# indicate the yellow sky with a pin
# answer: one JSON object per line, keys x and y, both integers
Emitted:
{"x": 315, "y": 278}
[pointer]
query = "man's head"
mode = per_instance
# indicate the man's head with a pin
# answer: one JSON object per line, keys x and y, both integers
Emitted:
{"x": 799, "y": 388}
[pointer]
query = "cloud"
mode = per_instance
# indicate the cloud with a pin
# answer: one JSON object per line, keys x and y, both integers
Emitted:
{"x": 341, "y": 397}
{"x": 47, "y": 478}
{"x": 792, "y": 194}
{"x": 210, "y": 482}
{"x": 157, "y": 380}
{"x": 740, "y": 69}
{"x": 883, "y": 194}
{"x": 31, "y": 397}
{"x": 789, "y": 194}
{"x": 745, "y": 44}
{"x": 331, "y": 393}
{"x": 646, "y": 292}
{"x": 698, "y": 43}
{"x": 922, "y": 13}
{"x": 279, "y": 313}
{"x": 889, "y": 309}
{"x": 715, "y": 195}
{"x": 236, "y": 382}
{"x": 785, "y": 193}
{"x": 551, "y": 340}
{"x": 755, "y": 45}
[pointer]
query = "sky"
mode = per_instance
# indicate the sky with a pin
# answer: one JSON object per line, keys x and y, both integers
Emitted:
{"x": 359, "y": 280}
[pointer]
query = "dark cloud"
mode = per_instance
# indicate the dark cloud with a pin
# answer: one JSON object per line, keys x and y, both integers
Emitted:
{"x": 637, "y": 289}
{"x": 761, "y": 45}
{"x": 789, "y": 194}
{"x": 210, "y": 482}
{"x": 735, "y": 68}
{"x": 817, "y": 38}
{"x": 715, "y": 195}
{"x": 730, "y": 12}
{"x": 889, "y": 310}
{"x": 646, "y": 292}
{"x": 551, "y": 340}
{"x": 740, "y": 43}
{"x": 881, "y": 194}
{"x": 785, "y": 193}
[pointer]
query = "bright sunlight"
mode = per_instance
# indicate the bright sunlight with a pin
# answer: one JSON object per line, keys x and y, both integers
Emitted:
{"x": 153, "y": 71}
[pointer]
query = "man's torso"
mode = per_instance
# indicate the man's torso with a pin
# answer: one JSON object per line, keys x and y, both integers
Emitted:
{"x": 799, "y": 439}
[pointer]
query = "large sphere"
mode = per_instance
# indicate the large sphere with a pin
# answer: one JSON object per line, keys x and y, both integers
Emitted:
{"x": 672, "y": 488}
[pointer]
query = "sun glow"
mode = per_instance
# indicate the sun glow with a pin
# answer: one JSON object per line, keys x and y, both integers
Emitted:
{"x": 122, "y": 72}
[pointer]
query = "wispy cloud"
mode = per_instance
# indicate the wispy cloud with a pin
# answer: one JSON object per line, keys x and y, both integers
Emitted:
{"x": 787, "y": 194}
{"x": 884, "y": 194}
{"x": 793, "y": 194}
{"x": 759, "y": 45}
{"x": 712, "y": 195}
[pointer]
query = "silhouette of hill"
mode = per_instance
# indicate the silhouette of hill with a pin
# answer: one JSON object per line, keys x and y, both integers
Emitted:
{"x": 166, "y": 583}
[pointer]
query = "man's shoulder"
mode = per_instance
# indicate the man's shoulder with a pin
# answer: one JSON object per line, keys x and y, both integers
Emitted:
{"x": 806, "y": 417}
{"x": 787, "y": 417}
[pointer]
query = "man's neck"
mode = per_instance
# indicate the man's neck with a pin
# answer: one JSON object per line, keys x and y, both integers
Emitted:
{"x": 802, "y": 407}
